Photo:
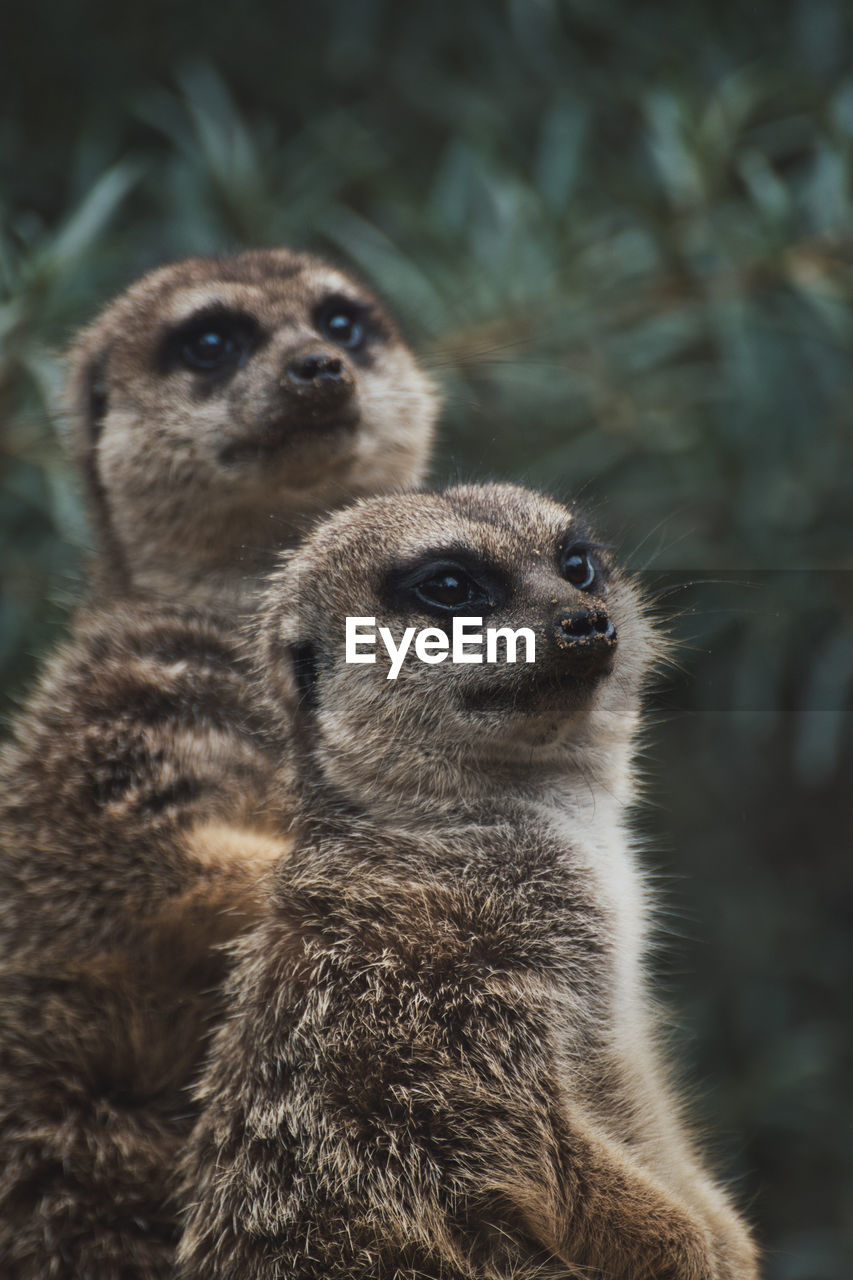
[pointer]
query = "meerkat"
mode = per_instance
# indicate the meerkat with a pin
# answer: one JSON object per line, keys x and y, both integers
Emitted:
{"x": 220, "y": 404}
{"x": 440, "y": 1057}
{"x": 215, "y": 407}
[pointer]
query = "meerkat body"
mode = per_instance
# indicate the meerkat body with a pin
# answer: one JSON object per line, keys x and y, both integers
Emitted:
{"x": 216, "y": 407}
{"x": 439, "y": 1059}
{"x": 115, "y": 889}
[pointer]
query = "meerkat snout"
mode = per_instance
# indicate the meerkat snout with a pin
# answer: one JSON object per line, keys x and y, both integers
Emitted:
{"x": 588, "y": 639}
{"x": 319, "y": 372}
{"x": 319, "y": 390}
{"x": 314, "y": 413}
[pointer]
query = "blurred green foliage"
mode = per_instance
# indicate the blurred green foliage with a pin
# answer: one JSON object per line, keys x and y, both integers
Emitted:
{"x": 622, "y": 235}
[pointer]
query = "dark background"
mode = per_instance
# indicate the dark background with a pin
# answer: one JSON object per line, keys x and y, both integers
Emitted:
{"x": 621, "y": 236}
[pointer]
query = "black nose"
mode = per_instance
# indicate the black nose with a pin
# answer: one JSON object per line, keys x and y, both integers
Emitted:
{"x": 318, "y": 372}
{"x": 588, "y": 639}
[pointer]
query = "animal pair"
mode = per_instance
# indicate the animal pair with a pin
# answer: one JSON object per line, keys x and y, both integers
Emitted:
{"x": 437, "y": 1058}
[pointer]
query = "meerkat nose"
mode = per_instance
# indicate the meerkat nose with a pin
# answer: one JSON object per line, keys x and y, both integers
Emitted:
{"x": 317, "y": 371}
{"x": 587, "y": 637}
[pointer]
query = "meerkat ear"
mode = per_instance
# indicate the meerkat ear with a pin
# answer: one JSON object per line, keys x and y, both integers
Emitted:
{"x": 287, "y": 669}
{"x": 92, "y": 397}
{"x": 303, "y": 660}
{"x": 285, "y": 659}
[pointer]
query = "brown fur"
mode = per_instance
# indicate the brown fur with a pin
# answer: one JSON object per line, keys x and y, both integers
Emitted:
{"x": 133, "y": 839}
{"x": 440, "y": 1056}
{"x": 140, "y": 738}
{"x": 195, "y": 477}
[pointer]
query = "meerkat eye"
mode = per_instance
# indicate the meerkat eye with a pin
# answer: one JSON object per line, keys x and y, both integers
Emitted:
{"x": 210, "y": 349}
{"x": 344, "y": 322}
{"x": 452, "y": 590}
{"x": 214, "y": 341}
{"x": 442, "y": 587}
{"x": 578, "y": 567}
{"x": 449, "y": 590}
{"x": 345, "y": 330}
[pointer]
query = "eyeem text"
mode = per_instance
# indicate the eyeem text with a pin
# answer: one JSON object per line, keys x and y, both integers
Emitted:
{"x": 433, "y": 645}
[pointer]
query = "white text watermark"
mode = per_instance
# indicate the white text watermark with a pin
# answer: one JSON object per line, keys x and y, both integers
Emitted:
{"x": 433, "y": 645}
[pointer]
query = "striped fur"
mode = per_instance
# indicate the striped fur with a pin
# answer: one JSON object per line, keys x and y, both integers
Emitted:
{"x": 114, "y": 896}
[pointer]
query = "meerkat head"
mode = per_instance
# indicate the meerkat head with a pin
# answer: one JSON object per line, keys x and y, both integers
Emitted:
{"x": 417, "y": 718}
{"x": 219, "y": 402}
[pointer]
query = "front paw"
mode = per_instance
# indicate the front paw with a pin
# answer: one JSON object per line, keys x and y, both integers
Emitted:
{"x": 683, "y": 1251}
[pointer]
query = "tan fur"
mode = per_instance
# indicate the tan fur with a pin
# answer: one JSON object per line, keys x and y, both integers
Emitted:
{"x": 441, "y": 1057}
{"x": 217, "y": 844}
{"x": 195, "y": 477}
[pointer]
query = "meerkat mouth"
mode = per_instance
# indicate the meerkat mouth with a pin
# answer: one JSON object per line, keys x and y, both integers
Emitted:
{"x": 536, "y": 694}
{"x": 289, "y": 435}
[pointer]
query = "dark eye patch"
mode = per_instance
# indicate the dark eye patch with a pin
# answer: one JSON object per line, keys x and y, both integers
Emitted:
{"x": 444, "y": 583}
{"x": 448, "y": 588}
{"x": 212, "y": 343}
{"x": 349, "y": 323}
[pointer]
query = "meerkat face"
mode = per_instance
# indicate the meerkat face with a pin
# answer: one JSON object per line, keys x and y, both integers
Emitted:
{"x": 219, "y": 392}
{"x": 416, "y": 565}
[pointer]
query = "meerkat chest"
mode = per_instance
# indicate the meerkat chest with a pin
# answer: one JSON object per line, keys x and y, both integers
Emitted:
{"x": 600, "y": 853}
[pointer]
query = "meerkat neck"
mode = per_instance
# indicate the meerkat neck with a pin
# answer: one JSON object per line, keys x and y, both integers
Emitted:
{"x": 223, "y": 573}
{"x": 197, "y": 557}
{"x": 525, "y": 801}
{"x": 229, "y": 587}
